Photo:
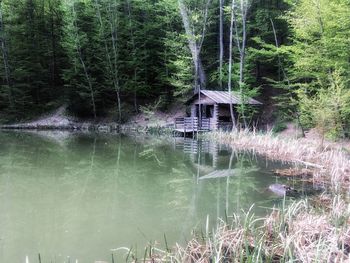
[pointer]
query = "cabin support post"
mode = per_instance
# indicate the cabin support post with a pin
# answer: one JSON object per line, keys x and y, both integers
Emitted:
{"x": 215, "y": 117}
{"x": 193, "y": 110}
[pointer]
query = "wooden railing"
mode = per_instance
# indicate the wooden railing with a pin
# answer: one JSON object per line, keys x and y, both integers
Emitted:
{"x": 191, "y": 124}
{"x": 205, "y": 124}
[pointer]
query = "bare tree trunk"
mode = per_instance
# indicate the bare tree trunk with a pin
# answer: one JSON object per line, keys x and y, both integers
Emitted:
{"x": 5, "y": 59}
{"x": 241, "y": 45}
{"x": 78, "y": 49}
{"x": 230, "y": 66}
{"x": 244, "y": 9}
{"x": 280, "y": 66}
{"x": 113, "y": 70}
{"x": 53, "y": 45}
{"x": 114, "y": 35}
{"x": 134, "y": 50}
{"x": 221, "y": 40}
{"x": 194, "y": 46}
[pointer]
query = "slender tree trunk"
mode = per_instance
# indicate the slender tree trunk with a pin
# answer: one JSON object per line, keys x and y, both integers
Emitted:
{"x": 114, "y": 35}
{"x": 92, "y": 95}
{"x": 113, "y": 70}
{"x": 280, "y": 66}
{"x": 53, "y": 44}
{"x": 230, "y": 66}
{"x": 5, "y": 59}
{"x": 78, "y": 49}
{"x": 241, "y": 45}
{"x": 221, "y": 40}
{"x": 244, "y": 8}
{"x": 194, "y": 46}
{"x": 134, "y": 51}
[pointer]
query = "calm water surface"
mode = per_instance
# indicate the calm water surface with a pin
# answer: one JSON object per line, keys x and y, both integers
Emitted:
{"x": 81, "y": 195}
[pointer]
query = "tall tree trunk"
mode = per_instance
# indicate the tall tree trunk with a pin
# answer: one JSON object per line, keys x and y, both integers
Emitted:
{"x": 53, "y": 44}
{"x": 280, "y": 66}
{"x": 87, "y": 76}
{"x": 114, "y": 36}
{"x": 221, "y": 40}
{"x": 241, "y": 45}
{"x": 4, "y": 52}
{"x": 112, "y": 66}
{"x": 242, "y": 60}
{"x": 134, "y": 51}
{"x": 194, "y": 46}
{"x": 230, "y": 66}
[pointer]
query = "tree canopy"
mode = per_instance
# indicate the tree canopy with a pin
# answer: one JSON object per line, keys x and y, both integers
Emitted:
{"x": 110, "y": 57}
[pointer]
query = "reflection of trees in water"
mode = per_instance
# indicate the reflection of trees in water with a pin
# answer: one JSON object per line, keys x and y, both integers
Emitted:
{"x": 91, "y": 177}
{"x": 230, "y": 180}
{"x": 101, "y": 182}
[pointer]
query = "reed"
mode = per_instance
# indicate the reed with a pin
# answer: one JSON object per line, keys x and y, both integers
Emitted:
{"x": 331, "y": 165}
{"x": 297, "y": 233}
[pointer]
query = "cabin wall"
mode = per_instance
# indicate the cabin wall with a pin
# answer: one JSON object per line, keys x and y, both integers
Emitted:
{"x": 224, "y": 117}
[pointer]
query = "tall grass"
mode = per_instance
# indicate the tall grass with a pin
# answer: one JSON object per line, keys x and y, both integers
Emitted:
{"x": 297, "y": 233}
{"x": 331, "y": 165}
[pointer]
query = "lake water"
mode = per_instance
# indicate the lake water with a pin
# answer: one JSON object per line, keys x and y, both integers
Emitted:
{"x": 78, "y": 196}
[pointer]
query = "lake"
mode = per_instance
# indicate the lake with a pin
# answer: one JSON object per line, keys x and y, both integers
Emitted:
{"x": 78, "y": 196}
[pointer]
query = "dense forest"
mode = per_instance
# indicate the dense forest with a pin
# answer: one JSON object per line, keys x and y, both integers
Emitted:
{"x": 109, "y": 57}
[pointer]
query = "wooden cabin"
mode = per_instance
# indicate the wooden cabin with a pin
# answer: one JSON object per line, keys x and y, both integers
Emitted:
{"x": 215, "y": 108}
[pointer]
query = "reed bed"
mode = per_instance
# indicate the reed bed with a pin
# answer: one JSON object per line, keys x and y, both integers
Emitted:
{"x": 331, "y": 165}
{"x": 297, "y": 233}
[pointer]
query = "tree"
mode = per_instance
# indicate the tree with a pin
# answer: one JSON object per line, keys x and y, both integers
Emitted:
{"x": 329, "y": 109}
{"x": 241, "y": 42}
{"x": 4, "y": 51}
{"x": 109, "y": 23}
{"x": 195, "y": 36}
{"x": 84, "y": 77}
{"x": 319, "y": 50}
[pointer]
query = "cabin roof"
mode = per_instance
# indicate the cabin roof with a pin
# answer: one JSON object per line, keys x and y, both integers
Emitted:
{"x": 223, "y": 97}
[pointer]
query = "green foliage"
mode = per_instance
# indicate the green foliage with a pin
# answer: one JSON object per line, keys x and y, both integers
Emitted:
{"x": 32, "y": 31}
{"x": 329, "y": 108}
{"x": 245, "y": 110}
{"x": 320, "y": 64}
{"x": 179, "y": 64}
{"x": 99, "y": 56}
{"x": 321, "y": 37}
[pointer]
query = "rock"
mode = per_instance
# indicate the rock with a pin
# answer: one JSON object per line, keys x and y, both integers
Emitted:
{"x": 282, "y": 190}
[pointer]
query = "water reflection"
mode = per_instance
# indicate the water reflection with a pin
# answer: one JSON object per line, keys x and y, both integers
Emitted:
{"x": 235, "y": 179}
{"x": 83, "y": 194}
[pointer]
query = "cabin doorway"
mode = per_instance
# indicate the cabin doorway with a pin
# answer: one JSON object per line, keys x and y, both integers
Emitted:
{"x": 206, "y": 110}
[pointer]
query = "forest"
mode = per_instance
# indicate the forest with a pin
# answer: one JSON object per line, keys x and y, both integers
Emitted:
{"x": 106, "y": 58}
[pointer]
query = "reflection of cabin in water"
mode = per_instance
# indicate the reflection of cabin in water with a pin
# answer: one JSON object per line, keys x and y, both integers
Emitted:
{"x": 207, "y": 157}
{"x": 203, "y": 152}
{"x": 215, "y": 110}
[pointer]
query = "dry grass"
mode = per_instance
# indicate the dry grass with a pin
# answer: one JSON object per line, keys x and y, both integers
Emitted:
{"x": 298, "y": 233}
{"x": 333, "y": 164}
